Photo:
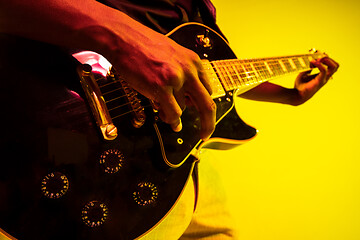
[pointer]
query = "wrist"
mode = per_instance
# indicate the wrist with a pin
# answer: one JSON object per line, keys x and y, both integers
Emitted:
{"x": 295, "y": 98}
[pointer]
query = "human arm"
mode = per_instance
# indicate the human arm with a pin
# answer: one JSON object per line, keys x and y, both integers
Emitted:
{"x": 151, "y": 63}
{"x": 304, "y": 88}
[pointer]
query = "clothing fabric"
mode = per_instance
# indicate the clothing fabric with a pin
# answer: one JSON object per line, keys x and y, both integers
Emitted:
{"x": 210, "y": 221}
{"x": 164, "y": 15}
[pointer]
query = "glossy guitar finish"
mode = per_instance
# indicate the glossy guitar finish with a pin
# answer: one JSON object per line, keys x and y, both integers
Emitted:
{"x": 60, "y": 180}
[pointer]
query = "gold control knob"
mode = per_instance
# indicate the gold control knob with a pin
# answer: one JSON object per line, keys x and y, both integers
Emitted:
{"x": 54, "y": 185}
{"x": 94, "y": 214}
{"x": 145, "y": 194}
{"x": 112, "y": 160}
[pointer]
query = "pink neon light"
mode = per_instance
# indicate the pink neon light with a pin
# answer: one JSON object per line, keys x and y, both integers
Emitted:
{"x": 98, "y": 63}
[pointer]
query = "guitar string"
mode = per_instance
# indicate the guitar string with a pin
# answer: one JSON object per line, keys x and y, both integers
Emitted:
{"x": 118, "y": 106}
{"x": 235, "y": 75}
{"x": 119, "y": 97}
{"x": 131, "y": 111}
{"x": 259, "y": 67}
{"x": 131, "y": 94}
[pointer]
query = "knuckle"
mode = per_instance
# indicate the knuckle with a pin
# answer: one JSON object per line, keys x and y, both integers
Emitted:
{"x": 193, "y": 56}
{"x": 172, "y": 76}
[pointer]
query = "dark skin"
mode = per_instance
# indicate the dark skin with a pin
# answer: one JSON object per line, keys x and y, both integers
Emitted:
{"x": 171, "y": 75}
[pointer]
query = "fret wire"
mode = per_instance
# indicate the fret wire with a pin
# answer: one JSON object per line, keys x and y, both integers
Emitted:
{"x": 264, "y": 70}
{"x": 234, "y": 74}
{"x": 239, "y": 75}
{"x": 288, "y": 65}
{"x": 219, "y": 71}
{"x": 225, "y": 81}
{"x": 246, "y": 79}
{"x": 238, "y": 78}
{"x": 241, "y": 81}
{"x": 241, "y": 70}
{"x": 260, "y": 67}
{"x": 250, "y": 73}
{"x": 254, "y": 70}
{"x": 225, "y": 65}
{"x": 257, "y": 70}
{"x": 297, "y": 63}
{"x": 275, "y": 67}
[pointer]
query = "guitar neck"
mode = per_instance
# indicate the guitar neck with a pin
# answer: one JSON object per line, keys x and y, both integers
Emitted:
{"x": 242, "y": 75}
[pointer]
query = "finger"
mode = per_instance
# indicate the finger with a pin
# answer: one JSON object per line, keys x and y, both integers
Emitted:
{"x": 206, "y": 107}
{"x": 331, "y": 64}
{"x": 322, "y": 77}
{"x": 205, "y": 79}
{"x": 303, "y": 75}
{"x": 170, "y": 112}
{"x": 180, "y": 98}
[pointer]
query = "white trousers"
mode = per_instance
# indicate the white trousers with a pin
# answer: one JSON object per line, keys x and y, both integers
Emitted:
{"x": 211, "y": 219}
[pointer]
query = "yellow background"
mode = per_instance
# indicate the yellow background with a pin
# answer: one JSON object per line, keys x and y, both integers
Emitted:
{"x": 299, "y": 178}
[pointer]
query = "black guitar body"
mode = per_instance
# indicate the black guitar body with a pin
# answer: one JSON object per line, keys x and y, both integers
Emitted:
{"x": 59, "y": 179}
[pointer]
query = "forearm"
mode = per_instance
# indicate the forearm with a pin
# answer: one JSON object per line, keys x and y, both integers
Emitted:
{"x": 269, "y": 92}
{"x": 84, "y": 24}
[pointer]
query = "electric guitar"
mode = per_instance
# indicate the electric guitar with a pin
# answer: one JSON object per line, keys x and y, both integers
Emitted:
{"x": 84, "y": 156}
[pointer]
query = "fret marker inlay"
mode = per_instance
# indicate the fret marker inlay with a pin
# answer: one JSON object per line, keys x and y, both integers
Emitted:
{"x": 268, "y": 68}
{"x": 292, "y": 63}
{"x": 282, "y": 66}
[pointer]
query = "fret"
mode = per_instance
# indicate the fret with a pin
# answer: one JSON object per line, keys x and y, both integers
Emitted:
{"x": 283, "y": 66}
{"x": 229, "y": 73}
{"x": 275, "y": 67}
{"x": 306, "y": 61}
{"x": 287, "y": 65}
{"x": 241, "y": 72}
{"x": 262, "y": 70}
{"x": 302, "y": 62}
{"x": 223, "y": 75}
{"x": 250, "y": 73}
{"x": 293, "y": 66}
{"x": 268, "y": 68}
{"x": 235, "y": 73}
{"x": 245, "y": 79}
{"x": 297, "y": 63}
{"x": 232, "y": 73}
{"x": 214, "y": 80}
{"x": 253, "y": 68}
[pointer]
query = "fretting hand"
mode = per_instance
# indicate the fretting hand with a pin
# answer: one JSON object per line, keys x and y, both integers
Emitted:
{"x": 307, "y": 85}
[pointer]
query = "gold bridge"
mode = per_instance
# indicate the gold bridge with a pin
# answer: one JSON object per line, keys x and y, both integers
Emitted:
{"x": 97, "y": 103}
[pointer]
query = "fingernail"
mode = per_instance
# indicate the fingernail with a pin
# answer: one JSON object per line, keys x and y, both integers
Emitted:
{"x": 178, "y": 127}
{"x": 205, "y": 139}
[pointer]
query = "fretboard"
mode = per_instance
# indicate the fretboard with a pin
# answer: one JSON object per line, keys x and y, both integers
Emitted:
{"x": 247, "y": 73}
